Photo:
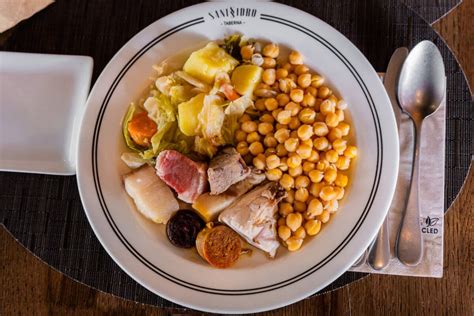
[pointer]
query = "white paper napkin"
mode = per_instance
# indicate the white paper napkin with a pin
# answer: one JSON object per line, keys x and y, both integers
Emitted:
{"x": 14, "y": 11}
{"x": 431, "y": 196}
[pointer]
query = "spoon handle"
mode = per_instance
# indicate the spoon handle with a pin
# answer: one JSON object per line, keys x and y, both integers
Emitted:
{"x": 410, "y": 242}
{"x": 379, "y": 253}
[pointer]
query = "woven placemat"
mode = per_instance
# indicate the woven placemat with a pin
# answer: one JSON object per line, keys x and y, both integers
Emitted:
{"x": 44, "y": 212}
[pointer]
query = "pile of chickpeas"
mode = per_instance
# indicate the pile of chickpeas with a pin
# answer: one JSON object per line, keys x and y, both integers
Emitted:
{"x": 299, "y": 140}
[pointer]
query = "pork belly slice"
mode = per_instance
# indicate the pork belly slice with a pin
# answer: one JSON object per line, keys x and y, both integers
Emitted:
{"x": 225, "y": 169}
{"x": 152, "y": 197}
{"x": 188, "y": 178}
{"x": 253, "y": 216}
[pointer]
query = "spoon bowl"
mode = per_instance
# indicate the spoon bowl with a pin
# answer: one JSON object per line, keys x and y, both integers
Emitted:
{"x": 421, "y": 88}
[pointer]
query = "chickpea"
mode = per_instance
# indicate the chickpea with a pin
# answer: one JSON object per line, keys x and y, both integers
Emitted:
{"x": 240, "y": 135}
{"x": 289, "y": 67}
{"x": 296, "y": 171}
{"x": 340, "y": 146}
{"x": 293, "y": 243}
{"x": 269, "y": 76}
{"x": 271, "y": 50}
{"x": 314, "y": 157}
{"x": 284, "y": 117}
{"x": 273, "y": 162}
{"x": 290, "y": 196}
{"x": 341, "y": 105}
{"x": 312, "y": 90}
{"x": 330, "y": 175}
{"x": 268, "y": 62}
{"x": 305, "y": 132}
{"x": 242, "y": 148}
{"x": 294, "y": 161}
{"x": 324, "y": 92}
{"x": 341, "y": 180}
{"x": 249, "y": 126}
{"x": 322, "y": 165}
{"x": 244, "y": 118}
{"x": 334, "y": 134}
{"x": 299, "y": 206}
{"x": 308, "y": 100}
{"x": 265, "y": 128}
{"x": 331, "y": 206}
{"x": 291, "y": 144}
{"x": 259, "y": 162}
{"x": 294, "y": 108}
{"x": 271, "y": 104}
{"x": 296, "y": 95}
{"x": 321, "y": 143}
{"x": 324, "y": 217}
{"x": 284, "y": 232}
{"x": 281, "y": 150}
{"x": 315, "y": 188}
{"x": 331, "y": 156}
{"x": 274, "y": 174}
{"x": 253, "y": 137}
{"x": 256, "y": 148}
{"x": 350, "y": 152}
{"x": 308, "y": 167}
{"x": 266, "y": 118}
{"x": 315, "y": 208}
{"x": 301, "y": 69}
{"x": 327, "y": 193}
{"x": 275, "y": 115}
{"x": 326, "y": 107}
{"x": 344, "y": 127}
{"x": 316, "y": 176}
{"x": 281, "y": 73}
{"x": 343, "y": 163}
{"x": 331, "y": 119}
{"x": 301, "y": 182}
{"x": 300, "y": 233}
{"x": 295, "y": 58}
{"x": 283, "y": 99}
{"x": 339, "y": 192}
{"x": 320, "y": 129}
{"x": 301, "y": 194}
{"x": 340, "y": 115}
{"x": 287, "y": 182}
{"x": 294, "y": 221}
{"x": 307, "y": 116}
{"x": 270, "y": 141}
{"x": 304, "y": 151}
{"x": 312, "y": 227}
{"x": 294, "y": 123}
{"x": 282, "y": 135}
{"x": 259, "y": 105}
{"x": 308, "y": 142}
{"x": 270, "y": 151}
{"x": 304, "y": 80}
{"x": 317, "y": 81}
{"x": 286, "y": 84}
{"x": 247, "y": 52}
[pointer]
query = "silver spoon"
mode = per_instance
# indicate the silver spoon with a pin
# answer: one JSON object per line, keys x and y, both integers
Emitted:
{"x": 421, "y": 89}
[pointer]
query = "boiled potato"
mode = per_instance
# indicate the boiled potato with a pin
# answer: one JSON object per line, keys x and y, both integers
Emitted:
{"x": 205, "y": 63}
{"x": 188, "y": 114}
{"x": 245, "y": 78}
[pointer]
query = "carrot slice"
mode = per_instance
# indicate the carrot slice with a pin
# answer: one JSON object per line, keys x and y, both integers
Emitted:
{"x": 141, "y": 129}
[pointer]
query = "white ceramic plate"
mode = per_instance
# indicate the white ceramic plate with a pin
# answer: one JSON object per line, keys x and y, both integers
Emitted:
{"x": 255, "y": 283}
{"x": 42, "y": 98}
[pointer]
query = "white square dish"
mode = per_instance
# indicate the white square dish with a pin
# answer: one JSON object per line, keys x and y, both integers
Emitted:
{"x": 42, "y": 99}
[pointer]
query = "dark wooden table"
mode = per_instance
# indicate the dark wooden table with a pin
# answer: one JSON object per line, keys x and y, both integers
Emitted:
{"x": 28, "y": 286}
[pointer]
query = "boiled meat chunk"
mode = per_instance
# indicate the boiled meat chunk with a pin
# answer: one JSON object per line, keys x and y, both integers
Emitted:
{"x": 225, "y": 169}
{"x": 152, "y": 197}
{"x": 186, "y": 177}
{"x": 253, "y": 216}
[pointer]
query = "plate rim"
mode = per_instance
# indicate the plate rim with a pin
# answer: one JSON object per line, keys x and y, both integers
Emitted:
{"x": 353, "y": 48}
